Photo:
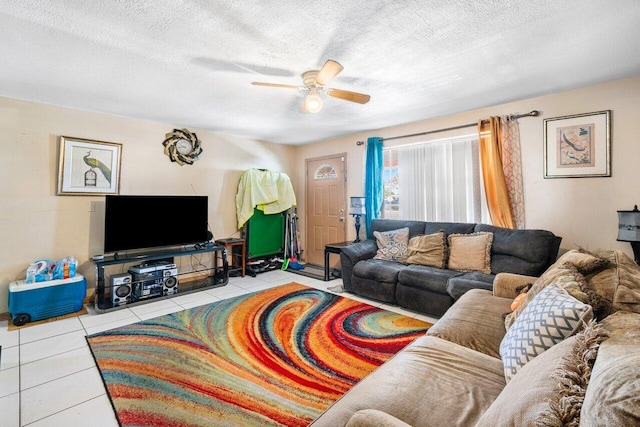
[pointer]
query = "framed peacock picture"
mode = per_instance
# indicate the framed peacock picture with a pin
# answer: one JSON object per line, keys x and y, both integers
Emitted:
{"x": 88, "y": 168}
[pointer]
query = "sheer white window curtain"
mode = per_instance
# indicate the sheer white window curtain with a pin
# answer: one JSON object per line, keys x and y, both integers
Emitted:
{"x": 441, "y": 181}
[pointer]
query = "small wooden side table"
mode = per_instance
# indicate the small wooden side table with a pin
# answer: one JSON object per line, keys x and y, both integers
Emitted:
{"x": 236, "y": 251}
{"x": 331, "y": 248}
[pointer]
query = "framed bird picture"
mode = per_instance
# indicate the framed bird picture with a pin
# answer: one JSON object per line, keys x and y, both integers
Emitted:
{"x": 88, "y": 168}
{"x": 578, "y": 146}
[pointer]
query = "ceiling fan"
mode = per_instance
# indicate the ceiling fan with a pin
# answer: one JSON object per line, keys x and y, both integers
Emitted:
{"x": 314, "y": 82}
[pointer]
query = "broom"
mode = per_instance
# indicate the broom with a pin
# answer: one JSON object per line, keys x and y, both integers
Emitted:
{"x": 285, "y": 263}
{"x": 293, "y": 261}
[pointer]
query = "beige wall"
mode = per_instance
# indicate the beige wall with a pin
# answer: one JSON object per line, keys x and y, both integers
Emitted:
{"x": 581, "y": 210}
{"x": 37, "y": 224}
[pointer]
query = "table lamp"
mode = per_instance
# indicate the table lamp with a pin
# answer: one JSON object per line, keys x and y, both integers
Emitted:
{"x": 356, "y": 208}
{"x": 629, "y": 230}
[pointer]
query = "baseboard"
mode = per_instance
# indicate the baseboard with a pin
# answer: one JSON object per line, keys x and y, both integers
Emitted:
{"x": 5, "y": 316}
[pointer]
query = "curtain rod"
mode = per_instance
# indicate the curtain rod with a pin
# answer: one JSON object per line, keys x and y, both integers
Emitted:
{"x": 533, "y": 113}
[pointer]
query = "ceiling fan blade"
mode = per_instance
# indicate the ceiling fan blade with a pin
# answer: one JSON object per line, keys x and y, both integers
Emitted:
{"x": 329, "y": 70}
{"x": 360, "y": 98}
{"x": 277, "y": 85}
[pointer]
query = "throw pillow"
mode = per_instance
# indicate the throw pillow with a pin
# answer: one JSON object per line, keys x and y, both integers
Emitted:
{"x": 550, "y": 317}
{"x": 428, "y": 249}
{"x": 470, "y": 252}
{"x": 392, "y": 245}
{"x": 549, "y": 390}
{"x": 573, "y": 376}
{"x": 374, "y": 417}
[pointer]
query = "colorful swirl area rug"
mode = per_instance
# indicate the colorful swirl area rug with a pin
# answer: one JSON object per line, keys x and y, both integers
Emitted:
{"x": 278, "y": 357}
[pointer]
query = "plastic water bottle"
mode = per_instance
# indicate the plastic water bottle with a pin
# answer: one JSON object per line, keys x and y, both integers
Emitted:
{"x": 73, "y": 265}
{"x": 31, "y": 273}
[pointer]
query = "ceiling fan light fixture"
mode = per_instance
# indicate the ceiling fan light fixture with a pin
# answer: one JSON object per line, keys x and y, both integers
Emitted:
{"x": 313, "y": 102}
{"x": 314, "y": 81}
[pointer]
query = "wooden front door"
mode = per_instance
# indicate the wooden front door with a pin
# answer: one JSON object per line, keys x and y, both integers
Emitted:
{"x": 326, "y": 204}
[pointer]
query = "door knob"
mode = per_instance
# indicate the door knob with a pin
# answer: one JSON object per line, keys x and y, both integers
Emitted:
{"x": 341, "y": 219}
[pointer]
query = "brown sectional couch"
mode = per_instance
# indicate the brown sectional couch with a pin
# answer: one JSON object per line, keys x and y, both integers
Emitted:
{"x": 454, "y": 376}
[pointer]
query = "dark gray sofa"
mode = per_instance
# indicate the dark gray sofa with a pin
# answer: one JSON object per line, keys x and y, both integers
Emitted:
{"x": 432, "y": 290}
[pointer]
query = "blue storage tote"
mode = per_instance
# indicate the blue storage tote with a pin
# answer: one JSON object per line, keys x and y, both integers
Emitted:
{"x": 29, "y": 302}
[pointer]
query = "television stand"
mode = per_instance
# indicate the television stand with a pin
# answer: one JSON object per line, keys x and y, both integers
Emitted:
{"x": 157, "y": 275}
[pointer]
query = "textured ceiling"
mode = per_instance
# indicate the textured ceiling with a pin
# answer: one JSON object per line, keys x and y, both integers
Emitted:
{"x": 190, "y": 63}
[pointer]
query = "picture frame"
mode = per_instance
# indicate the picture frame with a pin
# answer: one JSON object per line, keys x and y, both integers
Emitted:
{"x": 88, "y": 167}
{"x": 578, "y": 146}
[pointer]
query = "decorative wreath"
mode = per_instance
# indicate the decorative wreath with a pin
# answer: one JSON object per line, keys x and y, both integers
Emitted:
{"x": 182, "y": 146}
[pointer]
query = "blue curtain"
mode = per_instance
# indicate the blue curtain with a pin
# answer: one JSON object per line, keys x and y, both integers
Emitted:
{"x": 373, "y": 185}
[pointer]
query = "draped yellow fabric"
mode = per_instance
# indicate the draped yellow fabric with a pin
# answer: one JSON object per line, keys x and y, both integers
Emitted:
{"x": 494, "y": 181}
{"x": 270, "y": 192}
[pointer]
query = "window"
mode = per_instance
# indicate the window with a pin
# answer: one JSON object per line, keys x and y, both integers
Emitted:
{"x": 325, "y": 172}
{"x": 435, "y": 181}
{"x": 391, "y": 203}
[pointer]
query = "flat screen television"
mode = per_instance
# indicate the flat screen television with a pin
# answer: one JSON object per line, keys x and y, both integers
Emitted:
{"x": 141, "y": 222}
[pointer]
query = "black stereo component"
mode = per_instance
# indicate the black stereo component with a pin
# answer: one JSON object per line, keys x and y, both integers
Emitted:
{"x": 154, "y": 279}
{"x": 147, "y": 285}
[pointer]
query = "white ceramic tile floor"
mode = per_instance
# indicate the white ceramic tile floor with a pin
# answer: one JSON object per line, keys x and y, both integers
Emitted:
{"x": 48, "y": 377}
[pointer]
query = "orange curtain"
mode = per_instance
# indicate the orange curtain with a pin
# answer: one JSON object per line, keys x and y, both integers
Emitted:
{"x": 493, "y": 174}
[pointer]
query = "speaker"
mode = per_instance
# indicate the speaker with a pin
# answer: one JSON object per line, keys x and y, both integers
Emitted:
{"x": 120, "y": 289}
{"x": 170, "y": 281}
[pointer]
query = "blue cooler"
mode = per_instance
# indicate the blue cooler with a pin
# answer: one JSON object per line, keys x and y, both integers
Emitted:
{"x": 29, "y": 302}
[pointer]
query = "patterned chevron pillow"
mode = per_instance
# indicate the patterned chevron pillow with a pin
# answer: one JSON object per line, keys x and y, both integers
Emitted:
{"x": 550, "y": 317}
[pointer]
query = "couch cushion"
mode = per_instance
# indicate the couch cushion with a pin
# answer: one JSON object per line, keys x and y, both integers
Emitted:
{"x": 613, "y": 395}
{"x": 550, "y": 317}
{"x": 623, "y": 327}
{"x": 392, "y": 244}
{"x": 373, "y": 289}
{"x": 373, "y": 417}
{"x": 474, "y": 321}
{"x": 449, "y": 227}
{"x": 376, "y": 279}
{"x": 527, "y": 252}
{"x": 428, "y": 249}
{"x": 618, "y": 284}
{"x": 549, "y": 390}
{"x": 424, "y": 277}
{"x": 432, "y": 382}
{"x": 459, "y": 285}
{"x": 423, "y": 300}
{"x": 470, "y": 252}
{"x": 378, "y": 269}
